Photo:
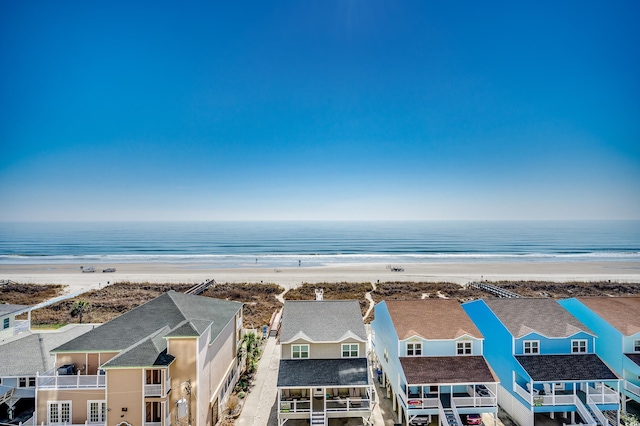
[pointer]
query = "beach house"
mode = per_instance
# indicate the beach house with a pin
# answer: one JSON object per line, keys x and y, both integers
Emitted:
{"x": 323, "y": 372}
{"x": 9, "y": 326}
{"x": 430, "y": 359}
{"x": 616, "y": 321}
{"x": 22, "y": 357}
{"x": 171, "y": 361}
{"x": 546, "y": 362}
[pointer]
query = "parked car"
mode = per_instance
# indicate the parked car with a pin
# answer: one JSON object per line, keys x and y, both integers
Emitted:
{"x": 473, "y": 419}
{"x": 420, "y": 421}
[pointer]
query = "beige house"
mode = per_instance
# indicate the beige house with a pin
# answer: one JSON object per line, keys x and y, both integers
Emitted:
{"x": 169, "y": 361}
{"x": 324, "y": 372}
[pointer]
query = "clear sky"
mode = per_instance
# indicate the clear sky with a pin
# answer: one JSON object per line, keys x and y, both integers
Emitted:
{"x": 346, "y": 109}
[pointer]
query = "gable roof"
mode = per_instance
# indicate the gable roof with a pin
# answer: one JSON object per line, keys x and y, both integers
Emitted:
{"x": 536, "y": 315}
{"x": 151, "y": 351}
{"x": 322, "y": 321}
{"x": 175, "y": 311}
{"x": 28, "y": 353}
{"x": 620, "y": 312}
{"x": 432, "y": 319}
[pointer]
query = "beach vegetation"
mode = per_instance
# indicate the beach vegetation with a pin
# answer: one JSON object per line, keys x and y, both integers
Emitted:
{"x": 79, "y": 308}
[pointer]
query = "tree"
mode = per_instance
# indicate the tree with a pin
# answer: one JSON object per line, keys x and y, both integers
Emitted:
{"x": 79, "y": 308}
{"x": 251, "y": 347}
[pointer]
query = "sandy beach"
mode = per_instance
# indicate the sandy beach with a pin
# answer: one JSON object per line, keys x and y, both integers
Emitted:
{"x": 458, "y": 272}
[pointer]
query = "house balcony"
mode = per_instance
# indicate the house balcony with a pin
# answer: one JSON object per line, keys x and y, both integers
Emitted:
{"x": 546, "y": 394}
{"x": 158, "y": 389}
{"x": 335, "y": 402}
{"x": 630, "y": 387}
{"x": 52, "y": 380}
{"x": 463, "y": 396}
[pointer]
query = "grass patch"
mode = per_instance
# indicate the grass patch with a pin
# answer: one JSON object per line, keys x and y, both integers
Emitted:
{"x": 29, "y": 294}
{"x": 569, "y": 289}
{"x": 333, "y": 291}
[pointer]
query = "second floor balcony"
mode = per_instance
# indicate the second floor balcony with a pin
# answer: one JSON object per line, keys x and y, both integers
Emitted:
{"x": 53, "y": 380}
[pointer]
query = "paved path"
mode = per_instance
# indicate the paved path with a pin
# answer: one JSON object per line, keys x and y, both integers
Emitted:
{"x": 259, "y": 406}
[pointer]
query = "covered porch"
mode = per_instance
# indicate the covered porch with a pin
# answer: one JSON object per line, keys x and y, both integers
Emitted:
{"x": 570, "y": 384}
{"x": 447, "y": 386}
{"x": 317, "y": 390}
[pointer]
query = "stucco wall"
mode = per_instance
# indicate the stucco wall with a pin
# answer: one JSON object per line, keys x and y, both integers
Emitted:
{"x": 125, "y": 390}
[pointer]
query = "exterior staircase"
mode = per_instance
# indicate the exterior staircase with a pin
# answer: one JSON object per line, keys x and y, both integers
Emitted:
{"x": 318, "y": 418}
{"x": 448, "y": 414}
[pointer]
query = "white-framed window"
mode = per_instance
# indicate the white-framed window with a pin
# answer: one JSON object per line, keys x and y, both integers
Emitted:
{"x": 385, "y": 354}
{"x": 578, "y": 346}
{"x": 59, "y": 412}
{"x": 531, "y": 347}
{"x": 463, "y": 348}
{"x": 26, "y": 382}
{"x": 299, "y": 351}
{"x": 414, "y": 349}
{"x": 636, "y": 345}
{"x": 349, "y": 350}
{"x": 5, "y": 323}
{"x": 97, "y": 411}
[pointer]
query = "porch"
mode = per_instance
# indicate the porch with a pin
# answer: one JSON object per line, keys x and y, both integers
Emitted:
{"x": 339, "y": 401}
{"x": 52, "y": 380}
{"x": 319, "y": 389}
{"x": 469, "y": 395}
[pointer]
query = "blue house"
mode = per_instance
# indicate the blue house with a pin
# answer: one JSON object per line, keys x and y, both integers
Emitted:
{"x": 546, "y": 361}
{"x": 430, "y": 359}
{"x": 616, "y": 320}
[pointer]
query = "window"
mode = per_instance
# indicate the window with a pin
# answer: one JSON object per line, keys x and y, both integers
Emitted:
{"x": 349, "y": 351}
{"x": 464, "y": 348}
{"x": 59, "y": 412}
{"x": 299, "y": 351}
{"x": 153, "y": 412}
{"x": 531, "y": 347}
{"x": 386, "y": 355}
{"x": 636, "y": 345}
{"x": 154, "y": 377}
{"x": 24, "y": 382}
{"x": 5, "y": 323}
{"x": 578, "y": 346}
{"x": 414, "y": 349}
{"x": 97, "y": 411}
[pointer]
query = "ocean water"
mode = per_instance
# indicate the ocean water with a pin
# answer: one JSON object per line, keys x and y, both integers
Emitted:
{"x": 260, "y": 244}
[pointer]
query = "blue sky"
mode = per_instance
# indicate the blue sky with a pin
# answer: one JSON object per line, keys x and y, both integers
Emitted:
{"x": 319, "y": 110}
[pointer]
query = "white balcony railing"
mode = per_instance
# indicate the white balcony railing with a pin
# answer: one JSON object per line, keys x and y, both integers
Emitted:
{"x": 634, "y": 389}
{"x": 603, "y": 395}
{"x": 295, "y": 406}
{"x": 55, "y": 381}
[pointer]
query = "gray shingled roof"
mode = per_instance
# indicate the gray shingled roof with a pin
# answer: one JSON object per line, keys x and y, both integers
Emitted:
{"x": 170, "y": 309}
{"x": 550, "y": 368}
{"x": 529, "y": 315}
{"x": 6, "y": 308}
{"x": 149, "y": 352}
{"x": 322, "y": 321}
{"x": 447, "y": 369}
{"x": 635, "y": 358}
{"x": 323, "y": 372}
{"x": 29, "y": 353}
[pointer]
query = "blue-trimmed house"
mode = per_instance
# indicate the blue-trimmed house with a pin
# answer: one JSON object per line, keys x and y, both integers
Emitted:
{"x": 430, "y": 360}
{"x": 546, "y": 362}
{"x": 616, "y": 320}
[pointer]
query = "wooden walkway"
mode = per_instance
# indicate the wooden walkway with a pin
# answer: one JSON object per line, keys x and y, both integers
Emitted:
{"x": 495, "y": 290}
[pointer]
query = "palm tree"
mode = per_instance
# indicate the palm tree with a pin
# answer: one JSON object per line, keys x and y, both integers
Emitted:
{"x": 250, "y": 347}
{"x": 79, "y": 308}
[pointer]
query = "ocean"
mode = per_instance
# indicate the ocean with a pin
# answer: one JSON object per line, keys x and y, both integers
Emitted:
{"x": 281, "y": 244}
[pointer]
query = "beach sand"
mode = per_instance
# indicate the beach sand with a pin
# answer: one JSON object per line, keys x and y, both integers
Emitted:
{"x": 458, "y": 272}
